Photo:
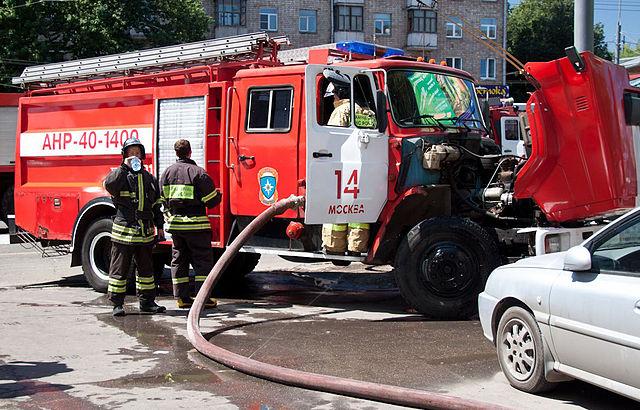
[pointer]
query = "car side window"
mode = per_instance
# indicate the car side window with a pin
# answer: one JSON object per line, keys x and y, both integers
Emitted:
{"x": 620, "y": 252}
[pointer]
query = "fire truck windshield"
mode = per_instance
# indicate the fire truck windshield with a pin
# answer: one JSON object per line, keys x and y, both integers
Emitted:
{"x": 426, "y": 99}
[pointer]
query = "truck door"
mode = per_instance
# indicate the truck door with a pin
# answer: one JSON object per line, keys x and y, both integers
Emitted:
{"x": 511, "y": 138}
{"x": 263, "y": 142}
{"x": 347, "y": 164}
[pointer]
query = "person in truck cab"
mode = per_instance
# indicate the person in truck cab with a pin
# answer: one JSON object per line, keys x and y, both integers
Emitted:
{"x": 354, "y": 237}
{"x": 341, "y": 114}
{"x": 188, "y": 191}
{"x": 136, "y": 196}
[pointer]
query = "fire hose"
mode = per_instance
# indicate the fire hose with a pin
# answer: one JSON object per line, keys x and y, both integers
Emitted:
{"x": 313, "y": 381}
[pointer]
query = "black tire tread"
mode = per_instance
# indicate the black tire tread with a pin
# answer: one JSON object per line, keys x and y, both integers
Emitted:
{"x": 420, "y": 298}
{"x": 100, "y": 225}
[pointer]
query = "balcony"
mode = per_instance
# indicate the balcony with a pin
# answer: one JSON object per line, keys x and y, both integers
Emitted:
{"x": 413, "y": 4}
{"x": 422, "y": 41}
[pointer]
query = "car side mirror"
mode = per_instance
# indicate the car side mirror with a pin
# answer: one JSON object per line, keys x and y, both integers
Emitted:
{"x": 577, "y": 259}
{"x": 381, "y": 111}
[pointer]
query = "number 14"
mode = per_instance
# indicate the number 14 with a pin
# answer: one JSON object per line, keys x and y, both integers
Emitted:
{"x": 352, "y": 184}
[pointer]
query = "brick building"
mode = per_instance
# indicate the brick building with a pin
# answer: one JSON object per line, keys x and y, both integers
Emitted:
{"x": 406, "y": 24}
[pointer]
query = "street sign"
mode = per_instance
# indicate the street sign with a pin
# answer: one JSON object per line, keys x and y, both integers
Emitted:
{"x": 501, "y": 91}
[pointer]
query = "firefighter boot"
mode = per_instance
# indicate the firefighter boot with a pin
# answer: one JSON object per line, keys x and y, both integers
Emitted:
{"x": 334, "y": 238}
{"x": 118, "y": 311}
{"x": 184, "y": 303}
{"x": 151, "y": 307}
{"x": 211, "y": 303}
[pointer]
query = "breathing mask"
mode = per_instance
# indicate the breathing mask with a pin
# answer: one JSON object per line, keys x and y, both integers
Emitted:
{"x": 134, "y": 163}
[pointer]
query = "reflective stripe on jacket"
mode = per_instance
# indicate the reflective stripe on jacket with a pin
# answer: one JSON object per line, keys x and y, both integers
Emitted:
{"x": 188, "y": 191}
{"x": 137, "y": 200}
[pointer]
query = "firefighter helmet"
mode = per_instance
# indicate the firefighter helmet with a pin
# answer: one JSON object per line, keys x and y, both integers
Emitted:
{"x": 131, "y": 142}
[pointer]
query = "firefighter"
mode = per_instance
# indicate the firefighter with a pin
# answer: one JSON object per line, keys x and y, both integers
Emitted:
{"x": 136, "y": 196}
{"x": 353, "y": 237}
{"x": 187, "y": 191}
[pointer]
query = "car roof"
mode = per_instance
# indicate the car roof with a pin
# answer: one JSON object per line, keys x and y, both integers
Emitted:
{"x": 620, "y": 220}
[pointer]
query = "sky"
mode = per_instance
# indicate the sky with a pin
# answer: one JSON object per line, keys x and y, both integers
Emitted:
{"x": 606, "y": 12}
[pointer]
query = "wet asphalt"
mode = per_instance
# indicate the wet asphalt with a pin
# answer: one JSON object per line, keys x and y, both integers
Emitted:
{"x": 60, "y": 348}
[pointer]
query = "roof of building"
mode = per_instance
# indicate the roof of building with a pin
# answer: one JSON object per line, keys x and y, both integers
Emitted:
{"x": 630, "y": 62}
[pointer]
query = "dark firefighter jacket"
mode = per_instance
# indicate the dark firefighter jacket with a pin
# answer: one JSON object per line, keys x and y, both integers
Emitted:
{"x": 137, "y": 200}
{"x": 187, "y": 191}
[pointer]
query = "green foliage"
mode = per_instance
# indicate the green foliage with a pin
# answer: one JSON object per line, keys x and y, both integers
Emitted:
{"x": 628, "y": 51}
{"x": 45, "y": 31}
{"x": 539, "y": 30}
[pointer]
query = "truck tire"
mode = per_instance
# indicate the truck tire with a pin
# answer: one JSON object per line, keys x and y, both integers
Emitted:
{"x": 442, "y": 265}
{"x": 6, "y": 204}
{"x": 96, "y": 254}
{"x": 233, "y": 278}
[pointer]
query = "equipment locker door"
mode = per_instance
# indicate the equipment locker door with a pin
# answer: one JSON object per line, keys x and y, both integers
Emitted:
{"x": 346, "y": 166}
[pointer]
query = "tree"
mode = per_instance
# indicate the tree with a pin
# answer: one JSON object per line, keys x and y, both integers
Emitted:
{"x": 539, "y": 30}
{"x": 628, "y": 51}
{"x": 45, "y": 31}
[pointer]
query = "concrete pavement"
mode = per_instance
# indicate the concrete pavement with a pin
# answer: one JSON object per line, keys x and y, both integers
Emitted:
{"x": 61, "y": 348}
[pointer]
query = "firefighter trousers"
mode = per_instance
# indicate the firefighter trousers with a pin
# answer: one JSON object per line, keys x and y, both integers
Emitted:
{"x": 190, "y": 247}
{"x": 121, "y": 263}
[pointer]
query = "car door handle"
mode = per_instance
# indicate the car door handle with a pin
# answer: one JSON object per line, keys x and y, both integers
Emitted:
{"x": 246, "y": 157}
{"x": 636, "y": 309}
{"x": 322, "y": 154}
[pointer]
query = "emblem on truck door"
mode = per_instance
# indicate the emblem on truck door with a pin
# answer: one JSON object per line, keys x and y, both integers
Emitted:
{"x": 268, "y": 181}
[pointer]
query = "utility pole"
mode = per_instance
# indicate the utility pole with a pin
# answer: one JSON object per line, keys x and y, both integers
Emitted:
{"x": 618, "y": 32}
{"x": 583, "y": 25}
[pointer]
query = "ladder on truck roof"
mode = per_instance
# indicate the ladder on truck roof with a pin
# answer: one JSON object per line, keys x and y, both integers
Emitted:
{"x": 246, "y": 46}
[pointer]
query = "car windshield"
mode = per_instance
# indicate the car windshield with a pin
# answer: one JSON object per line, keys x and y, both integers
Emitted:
{"x": 425, "y": 99}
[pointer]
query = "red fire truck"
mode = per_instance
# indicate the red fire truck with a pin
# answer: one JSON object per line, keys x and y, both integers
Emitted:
{"x": 8, "y": 117}
{"x": 445, "y": 205}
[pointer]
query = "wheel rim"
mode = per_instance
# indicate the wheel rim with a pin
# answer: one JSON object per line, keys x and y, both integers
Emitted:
{"x": 447, "y": 270}
{"x": 99, "y": 255}
{"x": 518, "y": 349}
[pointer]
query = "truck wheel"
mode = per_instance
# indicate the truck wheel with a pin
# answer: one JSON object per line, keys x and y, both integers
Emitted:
{"x": 6, "y": 205}
{"x": 96, "y": 254}
{"x": 442, "y": 265}
{"x": 233, "y": 278}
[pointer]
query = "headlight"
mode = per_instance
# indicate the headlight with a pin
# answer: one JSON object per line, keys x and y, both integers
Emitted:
{"x": 552, "y": 243}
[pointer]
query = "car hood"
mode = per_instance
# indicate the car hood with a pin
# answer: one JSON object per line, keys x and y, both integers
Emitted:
{"x": 549, "y": 261}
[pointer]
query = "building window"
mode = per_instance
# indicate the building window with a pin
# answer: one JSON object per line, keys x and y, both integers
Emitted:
{"x": 231, "y": 12}
{"x": 382, "y": 24}
{"x": 488, "y": 69}
{"x": 422, "y": 21}
{"x": 455, "y": 62}
{"x": 268, "y": 19}
{"x": 270, "y": 110}
{"x": 488, "y": 27}
{"x": 307, "y": 21}
{"x": 454, "y": 30}
{"x": 348, "y": 18}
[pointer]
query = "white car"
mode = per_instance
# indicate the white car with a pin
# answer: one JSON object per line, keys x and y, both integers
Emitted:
{"x": 573, "y": 314}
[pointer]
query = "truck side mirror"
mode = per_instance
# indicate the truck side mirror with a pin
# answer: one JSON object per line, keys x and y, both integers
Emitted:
{"x": 632, "y": 108}
{"x": 381, "y": 111}
{"x": 577, "y": 259}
